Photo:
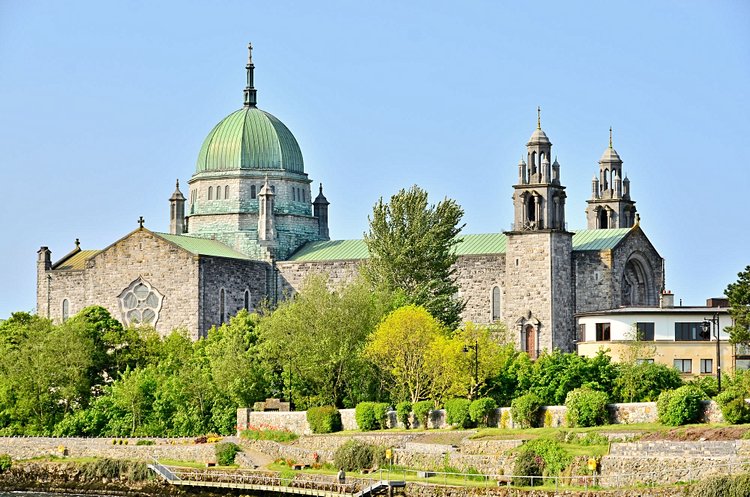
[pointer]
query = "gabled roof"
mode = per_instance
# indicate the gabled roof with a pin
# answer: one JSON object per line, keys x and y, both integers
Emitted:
{"x": 598, "y": 239}
{"x": 481, "y": 244}
{"x": 202, "y": 246}
{"x": 74, "y": 261}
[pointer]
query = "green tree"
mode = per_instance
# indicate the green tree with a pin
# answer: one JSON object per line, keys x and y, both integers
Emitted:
{"x": 400, "y": 346}
{"x": 412, "y": 249}
{"x": 43, "y": 373}
{"x": 738, "y": 294}
{"x": 319, "y": 335}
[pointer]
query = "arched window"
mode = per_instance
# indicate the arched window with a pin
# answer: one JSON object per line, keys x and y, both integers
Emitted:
{"x": 65, "y": 310}
{"x": 531, "y": 209}
{"x": 218, "y": 193}
{"x": 252, "y": 191}
{"x": 532, "y": 162}
{"x": 221, "y": 306}
{"x": 210, "y": 193}
{"x": 603, "y": 222}
{"x": 226, "y": 192}
{"x": 294, "y": 194}
{"x": 247, "y": 300}
{"x": 303, "y": 195}
{"x": 496, "y": 314}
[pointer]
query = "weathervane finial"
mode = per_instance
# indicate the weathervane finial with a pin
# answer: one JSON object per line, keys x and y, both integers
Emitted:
{"x": 610, "y": 137}
{"x": 538, "y": 117}
{"x": 251, "y": 95}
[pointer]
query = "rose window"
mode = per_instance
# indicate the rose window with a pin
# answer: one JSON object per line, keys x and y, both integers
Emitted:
{"x": 140, "y": 304}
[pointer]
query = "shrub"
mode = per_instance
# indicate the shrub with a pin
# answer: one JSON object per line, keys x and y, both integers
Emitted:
{"x": 733, "y": 406}
{"x": 740, "y": 486}
{"x": 644, "y": 382}
{"x": 679, "y": 407}
{"x": 381, "y": 414}
{"x": 504, "y": 417}
{"x": 355, "y": 455}
{"x": 714, "y": 486}
{"x": 480, "y": 410}
{"x": 325, "y": 419}
{"x": 5, "y": 463}
{"x": 554, "y": 456}
{"x": 403, "y": 410}
{"x": 115, "y": 468}
{"x": 547, "y": 418}
{"x": 225, "y": 452}
{"x": 145, "y": 442}
{"x": 422, "y": 412}
{"x": 527, "y": 464}
{"x": 586, "y": 407}
{"x": 364, "y": 413}
{"x": 457, "y": 412}
{"x": 525, "y": 410}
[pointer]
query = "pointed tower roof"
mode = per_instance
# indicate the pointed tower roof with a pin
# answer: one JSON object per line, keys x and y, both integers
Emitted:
{"x": 177, "y": 195}
{"x": 610, "y": 154}
{"x": 538, "y": 136}
{"x": 321, "y": 199}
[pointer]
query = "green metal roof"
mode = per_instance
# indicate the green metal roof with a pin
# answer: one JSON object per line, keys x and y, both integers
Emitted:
{"x": 76, "y": 261}
{"x": 333, "y": 250}
{"x": 203, "y": 246}
{"x": 598, "y": 239}
{"x": 488, "y": 243}
{"x": 250, "y": 139}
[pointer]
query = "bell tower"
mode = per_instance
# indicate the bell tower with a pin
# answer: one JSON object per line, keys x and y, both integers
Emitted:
{"x": 610, "y": 205}
{"x": 538, "y": 198}
{"x": 539, "y": 298}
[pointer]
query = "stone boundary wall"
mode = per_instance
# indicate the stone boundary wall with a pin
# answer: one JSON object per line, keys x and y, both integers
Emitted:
{"x": 180, "y": 449}
{"x": 624, "y": 413}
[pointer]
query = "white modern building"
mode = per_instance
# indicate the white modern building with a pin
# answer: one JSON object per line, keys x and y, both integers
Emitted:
{"x": 674, "y": 336}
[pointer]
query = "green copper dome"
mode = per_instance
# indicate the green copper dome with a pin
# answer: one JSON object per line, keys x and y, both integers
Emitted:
{"x": 250, "y": 139}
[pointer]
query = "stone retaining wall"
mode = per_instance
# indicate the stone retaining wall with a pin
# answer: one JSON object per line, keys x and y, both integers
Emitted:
{"x": 179, "y": 449}
{"x": 625, "y": 413}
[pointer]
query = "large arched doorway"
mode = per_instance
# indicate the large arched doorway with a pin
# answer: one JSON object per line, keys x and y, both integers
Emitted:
{"x": 638, "y": 283}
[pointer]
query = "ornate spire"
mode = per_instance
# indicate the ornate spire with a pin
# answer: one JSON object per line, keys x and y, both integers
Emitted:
{"x": 610, "y": 137}
{"x": 538, "y": 117}
{"x": 251, "y": 97}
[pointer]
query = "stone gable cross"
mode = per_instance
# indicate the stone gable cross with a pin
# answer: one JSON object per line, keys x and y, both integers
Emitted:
{"x": 140, "y": 222}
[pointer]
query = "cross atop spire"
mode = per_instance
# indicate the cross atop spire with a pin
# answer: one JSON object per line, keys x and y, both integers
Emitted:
{"x": 538, "y": 117}
{"x": 610, "y": 137}
{"x": 140, "y": 222}
{"x": 251, "y": 96}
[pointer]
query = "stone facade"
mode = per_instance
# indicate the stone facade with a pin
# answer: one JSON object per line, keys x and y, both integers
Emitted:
{"x": 250, "y": 195}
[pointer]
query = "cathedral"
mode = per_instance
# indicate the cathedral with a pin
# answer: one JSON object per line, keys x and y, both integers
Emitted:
{"x": 250, "y": 230}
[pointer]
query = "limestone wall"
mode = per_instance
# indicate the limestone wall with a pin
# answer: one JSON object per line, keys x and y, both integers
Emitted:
{"x": 625, "y": 413}
{"x": 179, "y": 449}
{"x": 593, "y": 280}
{"x": 476, "y": 277}
{"x": 292, "y": 274}
{"x": 234, "y": 276}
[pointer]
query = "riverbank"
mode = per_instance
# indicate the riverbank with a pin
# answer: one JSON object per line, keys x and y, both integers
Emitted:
{"x": 72, "y": 478}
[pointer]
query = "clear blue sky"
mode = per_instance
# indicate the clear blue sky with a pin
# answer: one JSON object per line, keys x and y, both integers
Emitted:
{"x": 104, "y": 104}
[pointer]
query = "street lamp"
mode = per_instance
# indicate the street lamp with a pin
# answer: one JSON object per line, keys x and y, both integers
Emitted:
{"x": 476, "y": 363}
{"x": 706, "y": 326}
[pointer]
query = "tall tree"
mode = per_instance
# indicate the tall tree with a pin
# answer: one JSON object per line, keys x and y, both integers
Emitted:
{"x": 738, "y": 294}
{"x": 412, "y": 250}
{"x": 317, "y": 339}
{"x": 402, "y": 345}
